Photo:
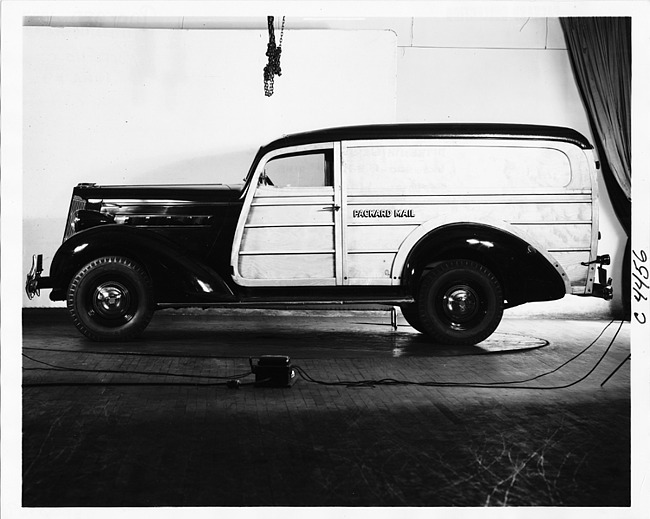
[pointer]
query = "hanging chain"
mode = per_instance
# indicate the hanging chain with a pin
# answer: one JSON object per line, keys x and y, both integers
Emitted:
{"x": 273, "y": 52}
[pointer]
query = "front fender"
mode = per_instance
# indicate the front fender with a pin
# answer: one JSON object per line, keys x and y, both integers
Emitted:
{"x": 526, "y": 271}
{"x": 176, "y": 276}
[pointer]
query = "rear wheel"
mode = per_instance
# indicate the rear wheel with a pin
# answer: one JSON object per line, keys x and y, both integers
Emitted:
{"x": 111, "y": 299}
{"x": 460, "y": 302}
{"x": 412, "y": 315}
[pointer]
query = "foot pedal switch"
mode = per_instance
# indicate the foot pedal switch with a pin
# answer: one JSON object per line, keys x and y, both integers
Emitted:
{"x": 273, "y": 371}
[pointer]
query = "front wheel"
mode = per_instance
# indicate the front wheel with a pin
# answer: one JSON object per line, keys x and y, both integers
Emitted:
{"x": 111, "y": 299}
{"x": 460, "y": 302}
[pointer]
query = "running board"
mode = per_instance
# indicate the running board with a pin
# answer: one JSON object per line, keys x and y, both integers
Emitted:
{"x": 294, "y": 304}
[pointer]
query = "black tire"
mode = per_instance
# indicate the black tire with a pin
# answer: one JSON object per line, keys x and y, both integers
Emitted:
{"x": 412, "y": 315}
{"x": 111, "y": 299}
{"x": 460, "y": 302}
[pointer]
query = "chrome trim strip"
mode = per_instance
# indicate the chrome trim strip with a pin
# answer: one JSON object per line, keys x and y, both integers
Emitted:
{"x": 570, "y": 249}
{"x": 380, "y": 223}
{"x": 159, "y": 215}
{"x": 326, "y": 201}
{"x": 372, "y": 251}
{"x": 557, "y": 222}
{"x": 152, "y": 226}
{"x": 273, "y": 225}
{"x": 472, "y": 200}
{"x": 119, "y": 202}
{"x": 285, "y": 253}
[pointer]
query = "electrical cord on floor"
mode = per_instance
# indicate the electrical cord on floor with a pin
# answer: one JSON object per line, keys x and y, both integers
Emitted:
{"x": 129, "y": 353}
{"x": 577, "y": 355}
{"x": 230, "y": 384}
{"x": 486, "y": 385}
{"x": 176, "y": 356}
{"x": 54, "y": 367}
{"x": 234, "y": 382}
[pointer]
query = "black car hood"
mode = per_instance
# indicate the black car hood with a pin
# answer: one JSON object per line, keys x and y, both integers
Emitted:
{"x": 179, "y": 192}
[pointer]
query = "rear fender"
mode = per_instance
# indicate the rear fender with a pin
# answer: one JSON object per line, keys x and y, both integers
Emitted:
{"x": 176, "y": 277}
{"x": 526, "y": 271}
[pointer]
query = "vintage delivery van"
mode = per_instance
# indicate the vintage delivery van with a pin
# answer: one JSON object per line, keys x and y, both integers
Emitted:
{"x": 453, "y": 223}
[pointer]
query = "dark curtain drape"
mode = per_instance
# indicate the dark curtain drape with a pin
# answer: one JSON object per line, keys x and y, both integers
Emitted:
{"x": 601, "y": 59}
{"x": 600, "y": 50}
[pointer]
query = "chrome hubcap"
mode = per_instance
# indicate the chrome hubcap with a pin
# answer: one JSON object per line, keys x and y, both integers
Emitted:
{"x": 111, "y": 299}
{"x": 460, "y": 303}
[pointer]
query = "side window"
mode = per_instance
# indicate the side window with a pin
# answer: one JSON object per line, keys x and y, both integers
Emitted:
{"x": 309, "y": 169}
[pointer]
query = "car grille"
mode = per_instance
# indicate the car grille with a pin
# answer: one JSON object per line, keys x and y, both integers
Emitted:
{"x": 76, "y": 204}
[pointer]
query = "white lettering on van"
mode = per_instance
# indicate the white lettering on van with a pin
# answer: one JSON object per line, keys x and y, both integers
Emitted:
{"x": 383, "y": 213}
{"x": 404, "y": 213}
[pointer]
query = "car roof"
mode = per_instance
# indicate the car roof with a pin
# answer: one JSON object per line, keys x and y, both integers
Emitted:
{"x": 432, "y": 130}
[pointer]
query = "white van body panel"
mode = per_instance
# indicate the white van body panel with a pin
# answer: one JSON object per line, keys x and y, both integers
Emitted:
{"x": 387, "y": 194}
{"x": 544, "y": 192}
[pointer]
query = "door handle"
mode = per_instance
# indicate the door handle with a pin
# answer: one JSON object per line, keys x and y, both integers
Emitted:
{"x": 331, "y": 208}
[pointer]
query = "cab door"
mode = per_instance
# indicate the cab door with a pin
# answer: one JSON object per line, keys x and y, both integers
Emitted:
{"x": 290, "y": 224}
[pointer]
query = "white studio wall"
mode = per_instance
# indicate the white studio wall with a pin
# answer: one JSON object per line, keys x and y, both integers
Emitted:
{"x": 163, "y": 106}
{"x": 512, "y": 70}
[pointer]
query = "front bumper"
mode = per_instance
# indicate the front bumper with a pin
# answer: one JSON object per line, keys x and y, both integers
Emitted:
{"x": 35, "y": 281}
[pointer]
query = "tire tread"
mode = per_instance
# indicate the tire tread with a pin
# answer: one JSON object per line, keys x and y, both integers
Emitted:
{"x": 120, "y": 334}
{"x": 428, "y": 321}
